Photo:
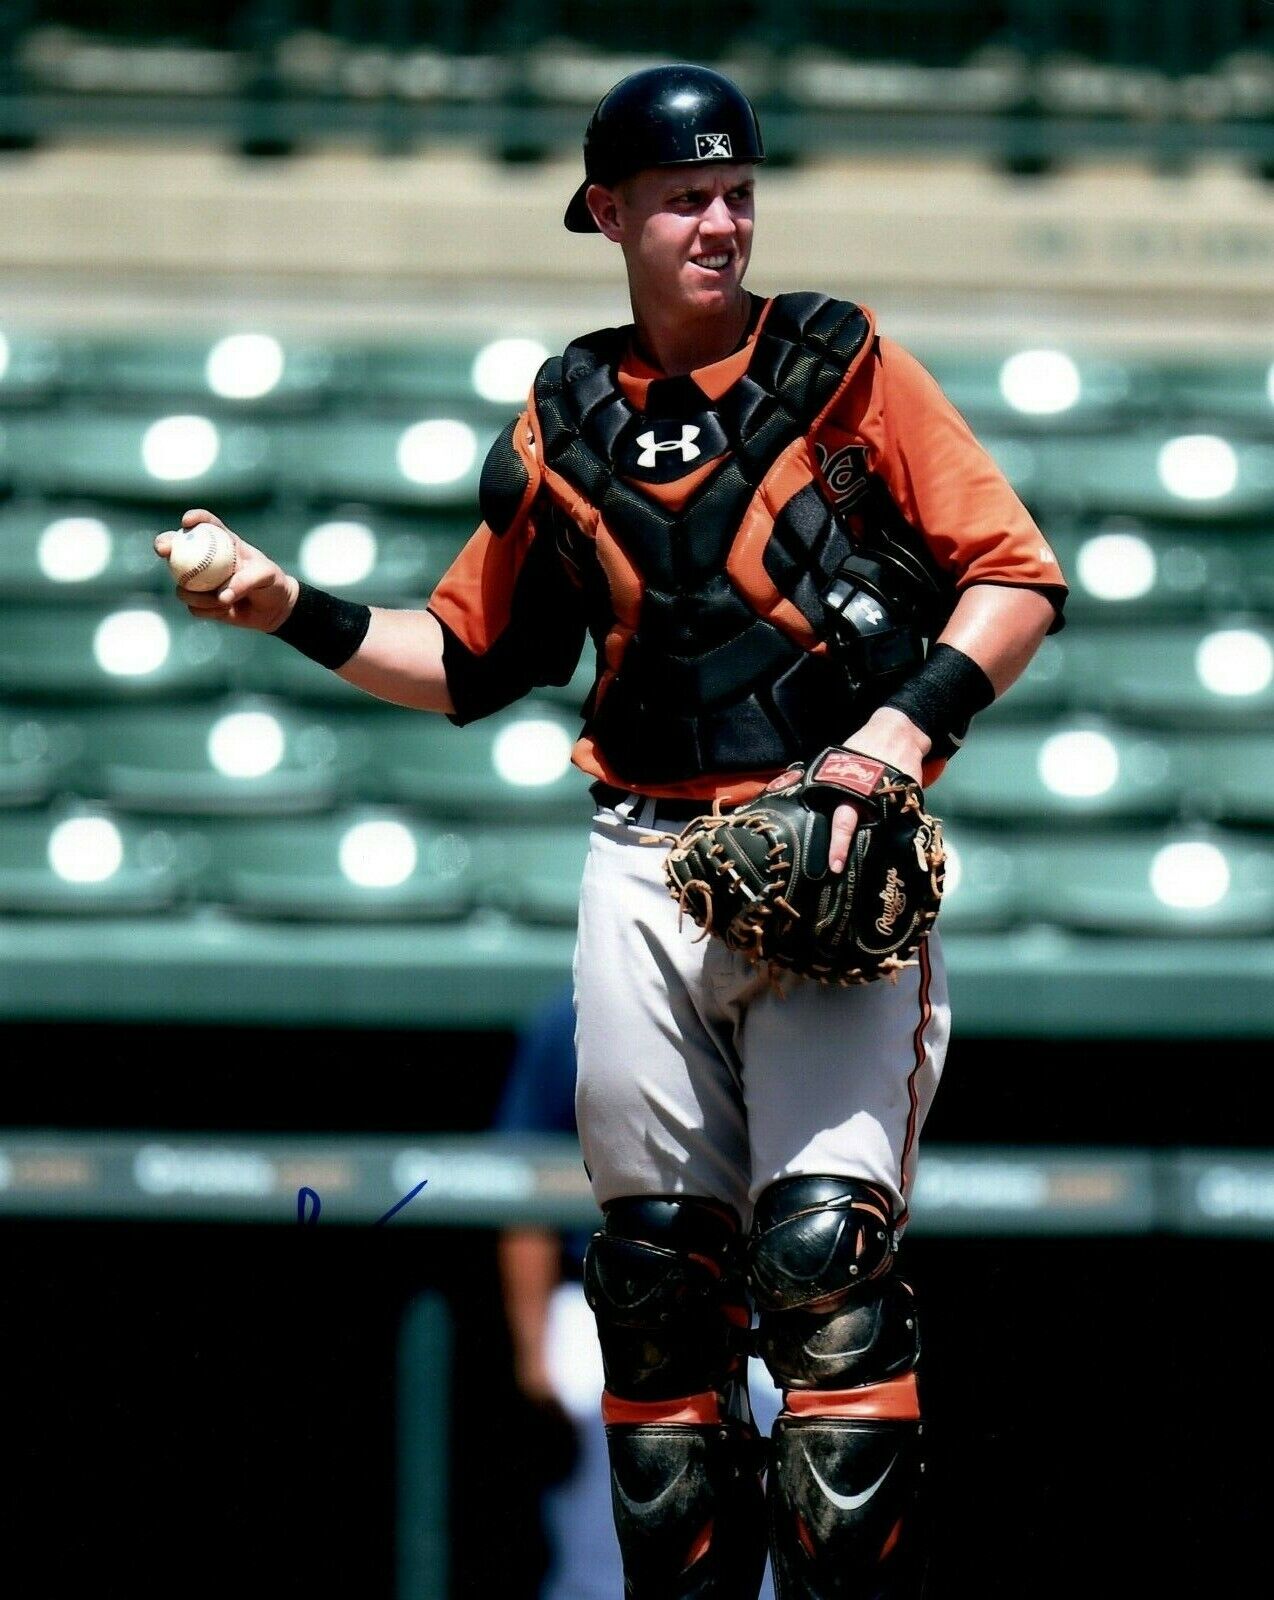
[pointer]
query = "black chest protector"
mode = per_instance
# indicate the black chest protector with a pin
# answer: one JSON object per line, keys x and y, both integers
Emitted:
{"x": 708, "y": 683}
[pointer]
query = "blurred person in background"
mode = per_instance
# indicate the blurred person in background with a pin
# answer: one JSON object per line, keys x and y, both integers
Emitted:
{"x": 557, "y": 1359}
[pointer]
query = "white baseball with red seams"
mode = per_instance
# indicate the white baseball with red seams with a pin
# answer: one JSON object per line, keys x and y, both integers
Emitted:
{"x": 202, "y": 558}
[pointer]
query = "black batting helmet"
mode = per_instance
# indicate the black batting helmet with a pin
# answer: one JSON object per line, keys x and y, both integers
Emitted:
{"x": 664, "y": 117}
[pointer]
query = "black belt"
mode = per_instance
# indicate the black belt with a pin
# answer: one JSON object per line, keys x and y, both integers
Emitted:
{"x": 678, "y": 810}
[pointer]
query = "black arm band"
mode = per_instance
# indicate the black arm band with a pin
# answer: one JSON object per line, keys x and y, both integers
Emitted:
{"x": 325, "y": 628}
{"x": 944, "y": 697}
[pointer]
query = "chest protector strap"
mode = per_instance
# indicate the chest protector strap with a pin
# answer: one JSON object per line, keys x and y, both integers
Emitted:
{"x": 727, "y": 670}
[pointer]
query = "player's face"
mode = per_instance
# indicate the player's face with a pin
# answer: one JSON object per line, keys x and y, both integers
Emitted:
{"x": 686, "y": 233}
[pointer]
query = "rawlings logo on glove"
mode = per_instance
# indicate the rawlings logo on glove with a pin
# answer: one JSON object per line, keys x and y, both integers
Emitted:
{"x": 758, "y": 877}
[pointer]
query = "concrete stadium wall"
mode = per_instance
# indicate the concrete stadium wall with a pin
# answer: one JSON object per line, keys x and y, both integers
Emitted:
{"x": 115, "y": 230}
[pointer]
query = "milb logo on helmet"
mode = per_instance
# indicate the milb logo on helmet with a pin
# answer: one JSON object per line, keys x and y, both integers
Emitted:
{"x": 713, "y": 146}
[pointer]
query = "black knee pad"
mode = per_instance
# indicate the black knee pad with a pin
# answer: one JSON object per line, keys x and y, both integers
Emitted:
{"x": 820, "y": 1265}
{"x": 664, "y": 1278}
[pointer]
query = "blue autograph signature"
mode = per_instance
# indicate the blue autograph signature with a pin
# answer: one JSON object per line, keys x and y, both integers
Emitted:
{"x": 309, "y": 1205}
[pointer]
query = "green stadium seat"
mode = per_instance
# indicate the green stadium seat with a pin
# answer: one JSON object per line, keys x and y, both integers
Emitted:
{"x": 142, "y": 651}
{"x": 356, "y": 865}
{"x": 243, "y": 756}
{"x": 1171, "y": 476}
{"x": 364, "y": 554}
{"x": 1229, "y": 777}
{"x": 1196, "y": 675}
{"x": 1156, "y": 883}
{"x": 178, "y": 459}
{"x": 532, "y": 874}
{"x": 514, "y": 765}
{"x": 36, "y": 754}
{"x": 72, "y": 551}
{"x": 239, "y": 371}
{"x": 1061, "y": 772}
{"x": 1241, "y": 392}
{"x": 1033, "y": 389}
{"x": 1125, "y": 568}
{"x": 408, "y": 374}
{"x": 31, "y": 368}
{"x": 415, "y": 459}
{"x": 986, "y": 881}
{"x": 88, "y": 861}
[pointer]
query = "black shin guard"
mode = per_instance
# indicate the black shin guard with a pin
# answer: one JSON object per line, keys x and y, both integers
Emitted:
{"x": 839, "y": 1333}
{"x": 665, "y": 1281}
{"x": 846, "y": 1509}
{"x": 689, "y": 1509}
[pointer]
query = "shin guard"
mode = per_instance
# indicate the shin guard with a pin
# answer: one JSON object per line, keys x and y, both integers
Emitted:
{"x": 664, "y": 1280}
{"x": 845, "y": 1502}
{"x": 839, "y": 1332}
{"x": 689, "y": 1506}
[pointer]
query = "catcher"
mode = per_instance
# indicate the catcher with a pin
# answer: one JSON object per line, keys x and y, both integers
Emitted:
{"x": 800, "y": 572}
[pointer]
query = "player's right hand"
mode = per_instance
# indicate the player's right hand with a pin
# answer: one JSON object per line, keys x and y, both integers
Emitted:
{"x": 259, "y": 594}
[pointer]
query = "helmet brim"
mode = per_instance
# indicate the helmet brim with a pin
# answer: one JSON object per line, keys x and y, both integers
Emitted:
{"x": 578, "y": 218}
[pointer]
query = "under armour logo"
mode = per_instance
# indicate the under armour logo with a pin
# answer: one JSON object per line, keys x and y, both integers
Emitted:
{"x": 652, "y": 446}
{"x": 712, "y": 147}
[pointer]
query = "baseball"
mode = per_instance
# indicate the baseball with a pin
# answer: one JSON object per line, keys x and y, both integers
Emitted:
{"x": 202, "y": 557}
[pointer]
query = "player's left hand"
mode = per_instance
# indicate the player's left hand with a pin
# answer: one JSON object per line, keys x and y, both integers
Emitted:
{"x": 890, "y": 736}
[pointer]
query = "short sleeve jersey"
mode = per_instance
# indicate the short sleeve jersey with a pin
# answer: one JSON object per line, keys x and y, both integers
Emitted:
{"x": 512, "y": 605}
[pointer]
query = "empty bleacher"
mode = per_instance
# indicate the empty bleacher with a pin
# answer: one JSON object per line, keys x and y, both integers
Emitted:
{"x": 166, "y": 780}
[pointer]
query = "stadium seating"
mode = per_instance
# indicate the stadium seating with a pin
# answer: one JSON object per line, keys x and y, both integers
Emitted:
{"x": 240, "y": 757}
{"x": 1157, "y": 884}
{"x": 84, "y": 861}
{"x": 1063, "y": 773}
{"x": 515, "y": 764}
{"x": 365, "y": 554}
{"x": 1228, "y": 777}
{"x": 241, "y": 372}
{"x": 31, "y": 368}
{"x": 1155, "y": 473}
{"x": 36, "y": 756}
{"x": 533, "y": 873}
{"x": 1193, "y": 675}
{"x": 1238, "y": 391}
{"x": 422, "y": 458}
{"x": 1121, "y": 568}
{"x": 75, "y": 550}
{"x": 160, "y": 457}
{"x": 1118, "y": 794}
{"x": 148, "y": 650}
{"x": 376, "y": 866}
{"x": 1038, "y": 389}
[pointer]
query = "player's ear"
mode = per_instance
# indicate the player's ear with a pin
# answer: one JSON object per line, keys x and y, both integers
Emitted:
{"x": 604, "y": 204}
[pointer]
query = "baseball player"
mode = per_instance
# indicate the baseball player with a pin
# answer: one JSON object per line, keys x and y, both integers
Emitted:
{"x": 779, "y": 536}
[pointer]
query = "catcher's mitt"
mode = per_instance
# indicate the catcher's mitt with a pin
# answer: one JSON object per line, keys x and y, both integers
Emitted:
{"x": 758, "y": 876}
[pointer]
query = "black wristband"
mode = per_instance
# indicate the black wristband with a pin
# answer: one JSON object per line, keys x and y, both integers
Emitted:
{"x": 327, "y": 629}
{"x": 944, "y": 697}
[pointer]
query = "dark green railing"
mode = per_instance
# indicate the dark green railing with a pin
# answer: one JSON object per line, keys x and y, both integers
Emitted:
{"x": 1023, "y": 80}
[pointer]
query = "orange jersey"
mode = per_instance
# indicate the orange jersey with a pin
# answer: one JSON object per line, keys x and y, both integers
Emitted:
{"x": 518, "y": 601}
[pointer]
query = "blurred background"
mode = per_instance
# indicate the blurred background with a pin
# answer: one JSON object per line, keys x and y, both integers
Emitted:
{"x": 298, "y": 263}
